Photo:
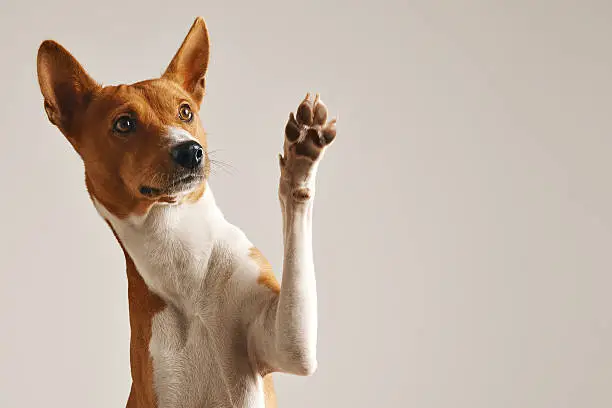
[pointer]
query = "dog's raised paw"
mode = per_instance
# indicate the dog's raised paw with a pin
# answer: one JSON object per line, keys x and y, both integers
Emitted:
{"x": 308, "y": 133}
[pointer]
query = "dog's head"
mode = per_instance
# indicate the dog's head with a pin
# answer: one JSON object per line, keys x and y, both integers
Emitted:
{"x": 141, "y": 143}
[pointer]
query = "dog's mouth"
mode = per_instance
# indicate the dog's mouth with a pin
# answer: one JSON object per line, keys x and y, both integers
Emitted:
{"x": 179, "y": 185}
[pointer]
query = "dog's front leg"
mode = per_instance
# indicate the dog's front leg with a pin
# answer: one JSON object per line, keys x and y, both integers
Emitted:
{"x": 285, "y": 340}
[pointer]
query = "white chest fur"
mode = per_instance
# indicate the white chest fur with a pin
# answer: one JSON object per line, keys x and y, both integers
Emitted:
{"x": 199, "y": 264}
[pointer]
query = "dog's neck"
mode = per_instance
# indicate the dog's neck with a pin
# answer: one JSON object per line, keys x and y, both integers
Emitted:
{"x": 171, "y": 244}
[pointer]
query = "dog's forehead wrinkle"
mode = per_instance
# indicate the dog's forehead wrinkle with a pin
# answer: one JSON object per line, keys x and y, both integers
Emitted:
{"x": 145, "y": 98}
{"x": 162, "y": 90}
{"x": 112, "y": 100}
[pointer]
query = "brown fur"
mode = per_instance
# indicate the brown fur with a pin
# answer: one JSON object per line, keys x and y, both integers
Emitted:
{"x": 266, "y": 275}
{"x": 190, "y": 62}
{"x": 270, "y": 394}
{"x": 268, "y": 279}
{"x": 116, "y": 166}
{"x": 143, "y": 305}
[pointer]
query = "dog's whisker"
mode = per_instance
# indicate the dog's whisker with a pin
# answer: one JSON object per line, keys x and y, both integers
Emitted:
{"x": 225, "y": 167}
{"x": 222, "y": 164}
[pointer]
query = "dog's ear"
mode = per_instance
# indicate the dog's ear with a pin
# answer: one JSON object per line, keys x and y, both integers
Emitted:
{"x": 191, "y": 60}
{"x": 66, "y": 87}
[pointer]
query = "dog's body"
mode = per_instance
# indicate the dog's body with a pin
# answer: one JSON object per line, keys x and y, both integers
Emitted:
{"x": 209, "y": 321}
{"x": 205, "y": 271}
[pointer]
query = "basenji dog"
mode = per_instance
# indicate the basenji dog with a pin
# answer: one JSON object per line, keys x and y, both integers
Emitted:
{"x": 209, "y": 321}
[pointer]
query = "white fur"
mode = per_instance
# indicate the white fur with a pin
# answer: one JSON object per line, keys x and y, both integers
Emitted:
{"x": 221, "y": 329}
{"x": 178, "y": 135}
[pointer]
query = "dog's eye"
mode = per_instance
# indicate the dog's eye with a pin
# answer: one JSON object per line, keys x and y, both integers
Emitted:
{"x": 124, "y": 124}
{"x": 185, "y": 113}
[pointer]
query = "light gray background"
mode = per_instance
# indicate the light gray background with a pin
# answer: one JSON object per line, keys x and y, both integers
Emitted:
{"x": 462, "y": 231}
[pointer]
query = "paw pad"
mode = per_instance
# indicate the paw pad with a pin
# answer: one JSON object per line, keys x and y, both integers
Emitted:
{"x": 301, "y": 194}
{"x": 307, "y": 132}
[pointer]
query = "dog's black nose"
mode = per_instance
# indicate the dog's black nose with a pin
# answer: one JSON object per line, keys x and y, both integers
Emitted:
{"x": 188, "y": 154}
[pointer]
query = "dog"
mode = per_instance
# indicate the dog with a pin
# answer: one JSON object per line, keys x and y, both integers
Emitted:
{"x": 209, "y": 321}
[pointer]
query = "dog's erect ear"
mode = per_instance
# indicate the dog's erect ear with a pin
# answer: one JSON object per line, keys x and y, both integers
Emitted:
{"x": 65, "y": 85}
{"x": 191, "y": 60}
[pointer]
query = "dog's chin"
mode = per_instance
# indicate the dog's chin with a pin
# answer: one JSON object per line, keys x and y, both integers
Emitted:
{"x": 174, "y": 190}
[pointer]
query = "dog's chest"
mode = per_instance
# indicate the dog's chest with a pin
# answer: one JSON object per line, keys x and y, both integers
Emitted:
{"x": 171, "y": 251}
{"x": 185, "y": 253}
{"x": 199, "y": 264}
{"x": 202, "y": 361}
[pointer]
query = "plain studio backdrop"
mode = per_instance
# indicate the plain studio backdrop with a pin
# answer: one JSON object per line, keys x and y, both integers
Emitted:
{"x": 462, "y": 231}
